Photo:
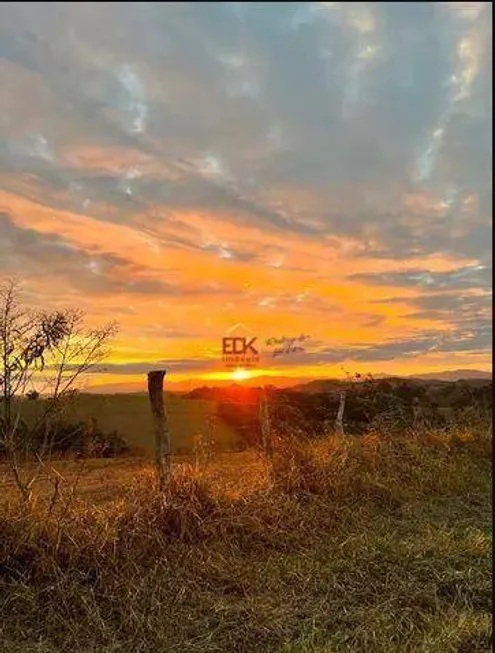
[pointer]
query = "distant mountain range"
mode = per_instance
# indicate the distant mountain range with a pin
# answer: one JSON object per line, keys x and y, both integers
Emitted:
{"x": 473, "y": 377}
{"x": 302, "y": 383}
{"x": 191, "y": 384}
{"x": 454, "y": 375}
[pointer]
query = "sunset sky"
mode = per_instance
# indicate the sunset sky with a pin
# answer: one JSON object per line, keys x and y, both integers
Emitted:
{"x": 317, "y": 168}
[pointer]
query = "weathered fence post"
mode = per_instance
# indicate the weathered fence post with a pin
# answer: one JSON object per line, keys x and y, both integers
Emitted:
{"x": 418, "y": 418}
{"x": 339, "y": 422}
{"x": 265, "y": 424}
{"x": 160, "y": 425}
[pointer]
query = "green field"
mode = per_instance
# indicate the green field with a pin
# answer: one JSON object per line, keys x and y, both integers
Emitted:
{"x": 130, "y": 415}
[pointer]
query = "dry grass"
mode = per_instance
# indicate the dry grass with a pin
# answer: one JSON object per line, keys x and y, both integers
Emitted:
{"x": 105, "y": 480}
{"x": 372, "y": 545}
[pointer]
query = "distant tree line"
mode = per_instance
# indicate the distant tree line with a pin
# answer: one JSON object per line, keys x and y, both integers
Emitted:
{"x": 386, "y": 404}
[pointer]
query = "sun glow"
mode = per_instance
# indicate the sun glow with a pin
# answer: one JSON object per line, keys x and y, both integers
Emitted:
{"x": 240, "y": 375}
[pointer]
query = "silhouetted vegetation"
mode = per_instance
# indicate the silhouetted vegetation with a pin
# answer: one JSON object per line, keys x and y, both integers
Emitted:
{"x": 64, "y": 437}
{"x": 394, "y": 405}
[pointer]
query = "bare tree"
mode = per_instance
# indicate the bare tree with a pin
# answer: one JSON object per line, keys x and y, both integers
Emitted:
{"x": 78, "y": 352}
{"x": 52, "y": 350}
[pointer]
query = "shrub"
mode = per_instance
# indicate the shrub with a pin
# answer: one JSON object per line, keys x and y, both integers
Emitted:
{"x": 62, "y": 437}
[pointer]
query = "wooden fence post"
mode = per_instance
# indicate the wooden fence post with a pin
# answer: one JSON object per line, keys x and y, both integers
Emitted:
{"x": 265, "y": 424}
{"x": 160, "y": 425}
{"x": 339, "y": 422}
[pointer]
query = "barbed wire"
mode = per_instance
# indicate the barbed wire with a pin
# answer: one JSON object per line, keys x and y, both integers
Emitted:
{"x": 220, "y": 452}
{"x": 240, "y": 403}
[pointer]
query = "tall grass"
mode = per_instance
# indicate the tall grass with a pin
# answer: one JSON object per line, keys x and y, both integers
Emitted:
{"x": 372, "y": 544}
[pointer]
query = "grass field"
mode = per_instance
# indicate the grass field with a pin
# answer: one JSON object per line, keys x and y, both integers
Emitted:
{"x": 359, "y": 545}
{"x": 130, "y": 415}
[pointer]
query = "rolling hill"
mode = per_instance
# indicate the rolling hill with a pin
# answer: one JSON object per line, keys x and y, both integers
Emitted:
{"x": 454, "y": 375}
{"x": 130, "y": 415}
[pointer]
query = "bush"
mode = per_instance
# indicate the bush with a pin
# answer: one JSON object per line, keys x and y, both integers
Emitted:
{"x": 62, "y": 437}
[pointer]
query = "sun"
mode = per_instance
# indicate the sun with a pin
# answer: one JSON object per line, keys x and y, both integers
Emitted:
{"x": 239, "y": 374}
